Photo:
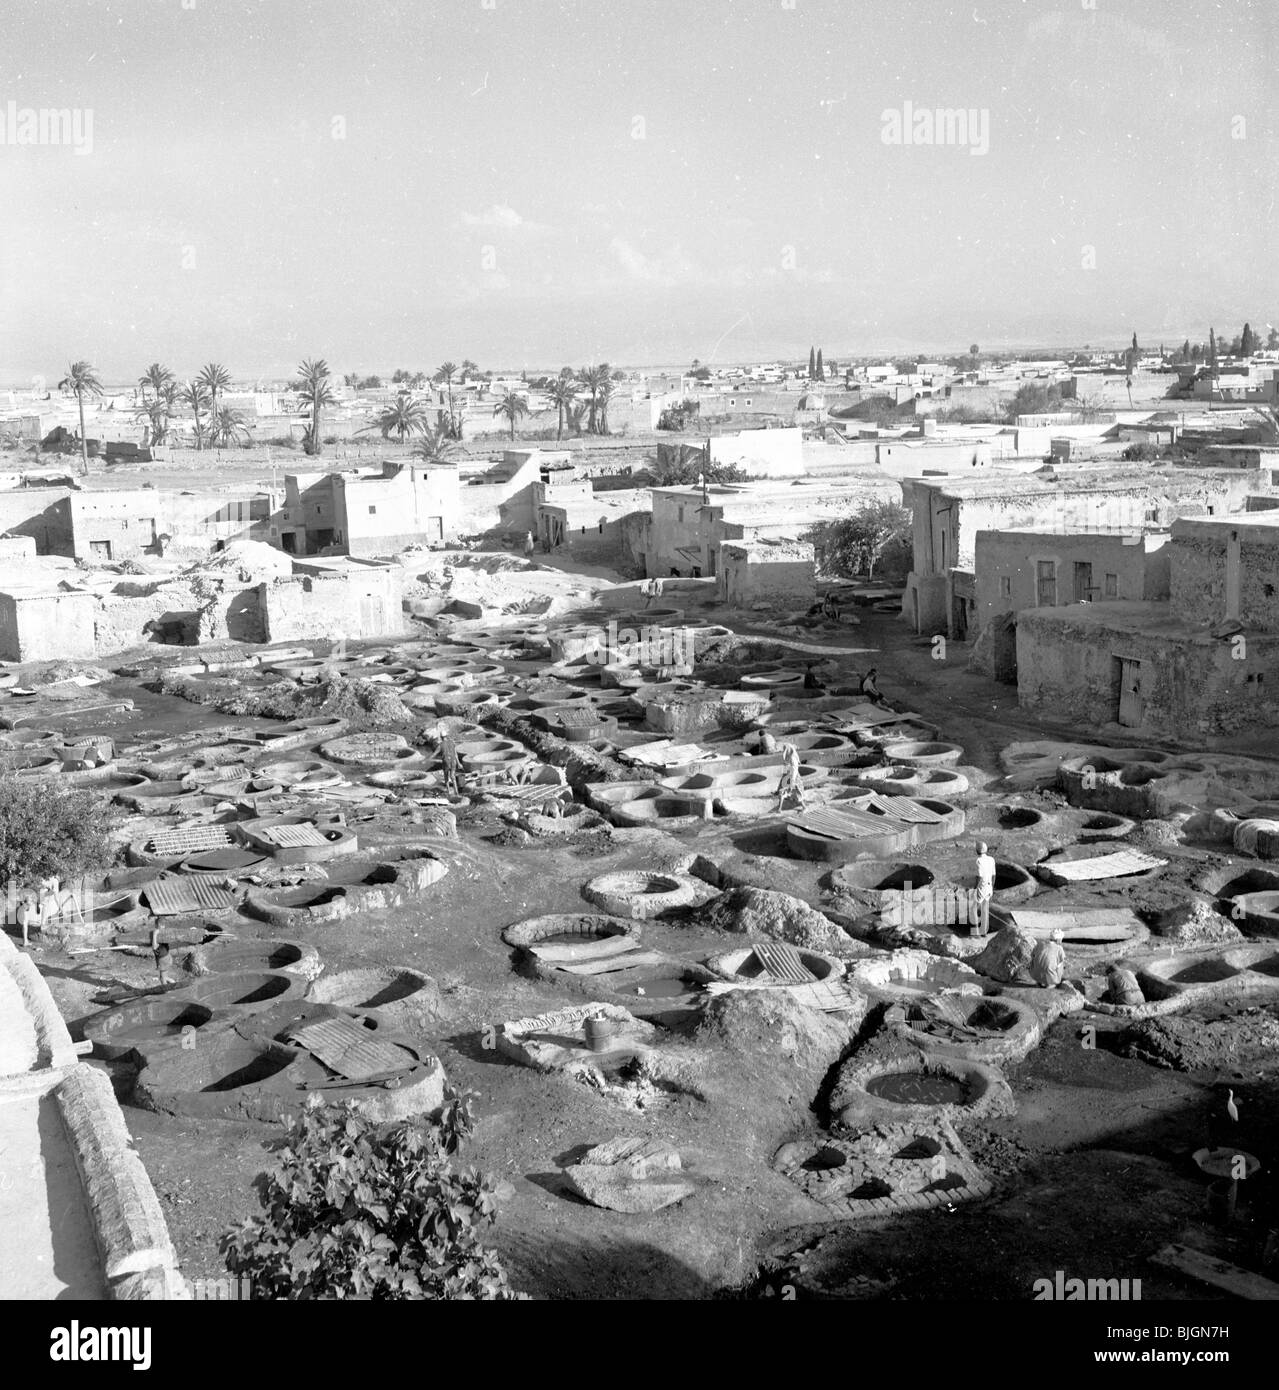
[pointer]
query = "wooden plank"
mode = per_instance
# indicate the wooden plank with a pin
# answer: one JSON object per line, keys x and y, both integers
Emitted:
{"x": 1218, "y": 1274}
{"x": 590, "y": 948}
{"x": 615, "y": 963}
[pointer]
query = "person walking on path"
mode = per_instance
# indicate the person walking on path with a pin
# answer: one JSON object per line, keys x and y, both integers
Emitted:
{"x": 985, "y": 889}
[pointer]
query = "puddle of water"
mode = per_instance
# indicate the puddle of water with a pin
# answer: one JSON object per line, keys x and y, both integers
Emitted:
{"x": 658, "y": 989}
{"x": 918, "y": 1088}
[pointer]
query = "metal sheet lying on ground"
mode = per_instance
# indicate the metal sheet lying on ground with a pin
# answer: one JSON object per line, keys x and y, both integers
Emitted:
{"x": 903, "y": 808}
{"x": 346, "y": 1048}
{"x": 290, "y": 836}
{"x": 169, "y": 896}
{"x": 839, "y": 825}
{"x": 782, "y": 962}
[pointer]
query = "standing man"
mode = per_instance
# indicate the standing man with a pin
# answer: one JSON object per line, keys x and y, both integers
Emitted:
{"x": 791, "y": 787}
{"x": 448, "y": 760}
{"x": 160, "y": 950}
{"x": 528, "y": 544}
{"x": 985, "y": 889}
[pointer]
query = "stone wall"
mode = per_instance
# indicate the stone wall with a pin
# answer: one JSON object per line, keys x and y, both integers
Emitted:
{"x": 1194, "y": 687}
{"x": 353, "y": 605}
{"x": 42, "y": 513}
{"x": 782, "y": 575}
{"x": 1199, "y": 574}
{"x": 46, "y": 627}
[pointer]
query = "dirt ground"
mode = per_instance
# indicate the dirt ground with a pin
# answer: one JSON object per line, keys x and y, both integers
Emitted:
{"x": 1093, "y": 1174}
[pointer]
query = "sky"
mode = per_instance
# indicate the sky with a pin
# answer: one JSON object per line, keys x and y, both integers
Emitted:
{"x": 533, "y": 183}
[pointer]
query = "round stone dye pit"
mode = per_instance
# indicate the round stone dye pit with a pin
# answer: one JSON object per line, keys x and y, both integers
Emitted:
{"x": 152, "y": 1023}
{"x": 918, "y": 1088}
{"x": 569, "y": 927}
{"x": 639, "y": 894}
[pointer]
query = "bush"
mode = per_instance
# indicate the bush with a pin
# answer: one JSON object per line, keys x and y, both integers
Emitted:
{"x": 684, "y": 472}
{"x": 47, "y": 831}
{"x": 358, "y": 1210}
{"x": 855, "y": 545}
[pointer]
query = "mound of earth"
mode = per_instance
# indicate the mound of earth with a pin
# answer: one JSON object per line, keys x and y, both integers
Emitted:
{"x": 759, "y": 912}
{"x": 1183, "y": 1042}
{"x": 769, "y": 1024}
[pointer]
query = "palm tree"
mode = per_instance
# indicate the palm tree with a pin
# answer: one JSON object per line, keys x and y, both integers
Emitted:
{"x": 156, "y": 412}
{"x": 228, "y": 427}
{"x": 436, "y": 443}
{"x": 606, "y": 390}
{"x": 82, "y": 379}
{"x": 592, "y": 378}
{"x": 315, "y": 393}
{"x": 573, "y": 419}
{"x": 402, "y": 419}
{"x": 512, "y": 406}
{"x": 562, "y": 392}
{"x": 468, "y": 369}
{"x": 157, "y": 377}
{"x": 214, "y": 377}
{"x": 445, "y": 373}
{"x": 193, "y": 394}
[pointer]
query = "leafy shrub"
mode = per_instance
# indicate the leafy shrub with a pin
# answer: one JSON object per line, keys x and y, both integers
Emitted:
{"x": 47, "y": 831}
{"x": 360, "y": 1210}
{"x": 879, "y": 532}
{"x": 672, "y": 471}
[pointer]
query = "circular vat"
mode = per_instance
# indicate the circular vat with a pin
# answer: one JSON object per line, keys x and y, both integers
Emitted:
{"x": 147, "y": 1024}
{"x": 923, "y": 754}
{"x": 745, "y": 964}
{"x": 1257, "y": 911}
{"x": 231, "y": 860}
{"x": 252, "y": 989}
{"x": 314, "y": 901}
{"x": 639, "y": 893}
{"x": 1101, "y": 825}
{"x": 568, "y": 927}
{"x": 919, "y": 1086}
{"x": 370, "y": 987}
{"x": 255, "y": 957}
{"x": 1019, "y": 818}
{"x": 880, "y": 876}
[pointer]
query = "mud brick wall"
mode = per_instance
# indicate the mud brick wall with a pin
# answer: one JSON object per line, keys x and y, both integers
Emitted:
{"x": 1193, "y": 687}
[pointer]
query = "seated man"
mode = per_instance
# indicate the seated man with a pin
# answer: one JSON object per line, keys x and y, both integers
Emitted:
{"x": 869, "y": 686}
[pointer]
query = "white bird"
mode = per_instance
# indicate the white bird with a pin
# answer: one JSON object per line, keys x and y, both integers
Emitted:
{"x": 1231, "y": 1108}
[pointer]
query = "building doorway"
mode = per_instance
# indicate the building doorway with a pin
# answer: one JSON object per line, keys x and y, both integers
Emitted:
{"x": 100, "y": 550}
{"x": 1132, "y": 710}
{"x": 1083, "y": 581}
{"x": 1046, "y": 584}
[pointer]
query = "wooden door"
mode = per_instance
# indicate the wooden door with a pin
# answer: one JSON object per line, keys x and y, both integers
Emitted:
{"x": 1131, "y": 707}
